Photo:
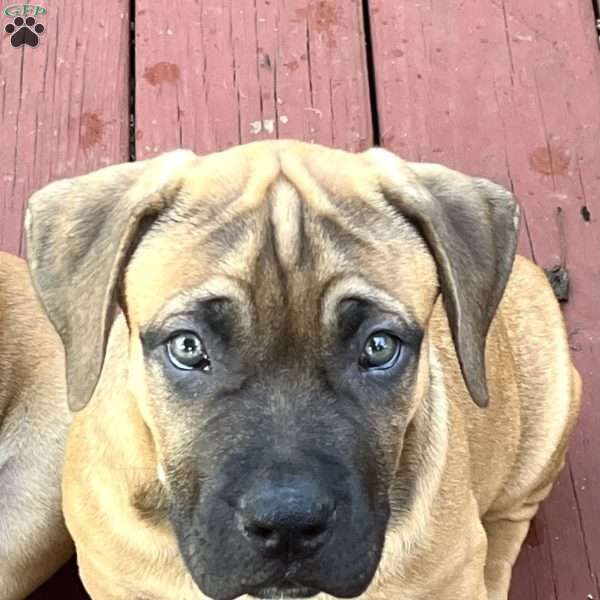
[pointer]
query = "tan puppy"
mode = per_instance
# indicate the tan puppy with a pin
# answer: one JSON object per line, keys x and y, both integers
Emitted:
{"x": 34, "y": 420}
{"x": 282, "y": 347}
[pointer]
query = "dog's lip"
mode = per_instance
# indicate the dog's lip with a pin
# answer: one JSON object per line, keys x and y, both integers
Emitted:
{"x": 284, "y": 589}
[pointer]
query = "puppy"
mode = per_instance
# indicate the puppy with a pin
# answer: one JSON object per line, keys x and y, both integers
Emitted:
{"x": 300, "y": 373}
{"x": 34, "y": 420}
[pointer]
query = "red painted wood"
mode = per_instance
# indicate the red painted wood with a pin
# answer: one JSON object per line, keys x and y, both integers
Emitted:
{"x": 212, "y": 74}
{"x": 63, "y": 111}
{"x": 63, "y": 104}
{"x": 510, "y": 90}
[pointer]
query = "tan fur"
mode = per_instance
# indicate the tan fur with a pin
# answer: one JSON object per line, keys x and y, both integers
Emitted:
{"x": 34, "y": 419}
{"x": 481, "y": 472}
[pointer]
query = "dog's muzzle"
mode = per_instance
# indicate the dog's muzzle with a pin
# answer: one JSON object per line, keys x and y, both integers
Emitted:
{"x": 286, "y": 531}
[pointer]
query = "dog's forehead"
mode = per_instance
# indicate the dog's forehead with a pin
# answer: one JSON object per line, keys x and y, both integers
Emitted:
{"x": 256, "y": 212}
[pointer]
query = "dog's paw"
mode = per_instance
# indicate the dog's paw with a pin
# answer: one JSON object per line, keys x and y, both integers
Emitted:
{"x": 24, "y": 31}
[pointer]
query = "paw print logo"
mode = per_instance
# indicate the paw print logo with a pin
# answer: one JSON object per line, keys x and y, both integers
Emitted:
{"x": 24, "y": 31}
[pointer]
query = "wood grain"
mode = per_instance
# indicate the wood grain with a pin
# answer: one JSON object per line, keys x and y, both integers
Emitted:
{"x": 212, "y": 74}
{"x": 63, "y": 104}
{"x": 510, "y": 90}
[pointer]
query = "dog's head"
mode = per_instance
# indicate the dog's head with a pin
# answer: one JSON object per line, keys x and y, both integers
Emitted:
{"x": 277, "y": 297}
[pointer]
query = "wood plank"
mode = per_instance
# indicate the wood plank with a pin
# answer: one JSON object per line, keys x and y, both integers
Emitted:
{"x": 63, "y": 104}
{"x": 63, "y": 111}
{"x": 510, "y": 90}
{"x": 215, "y": 73}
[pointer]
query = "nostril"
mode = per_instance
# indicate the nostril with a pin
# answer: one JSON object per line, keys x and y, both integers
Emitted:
{"x": 267, "y": 539}
{"x": 261, "y": 532}
{"x": 313, "y": 531}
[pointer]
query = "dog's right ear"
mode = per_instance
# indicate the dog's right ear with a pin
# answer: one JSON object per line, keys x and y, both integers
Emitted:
{"x": 470, "y": 226}
{"x": 80, "y": 232}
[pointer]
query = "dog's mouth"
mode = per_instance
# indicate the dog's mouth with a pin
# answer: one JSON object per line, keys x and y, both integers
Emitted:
{"x": 284, "y": 590}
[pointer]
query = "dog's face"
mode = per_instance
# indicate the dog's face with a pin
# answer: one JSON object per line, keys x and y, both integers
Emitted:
{"x": 277, "y": 360}
{"x": 278, "y": 303}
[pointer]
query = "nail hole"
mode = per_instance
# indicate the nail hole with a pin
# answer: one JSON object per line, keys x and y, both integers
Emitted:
{"x": 586, "y": 215}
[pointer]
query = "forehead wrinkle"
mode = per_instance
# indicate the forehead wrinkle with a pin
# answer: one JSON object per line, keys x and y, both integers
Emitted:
{"x": 230, "y": 231}
{"x": 308, "y": 187}
{"x": 349, "y": 195}
{"x": 220, "y": 286}
{"x": 264, "y": 171}
{"x": 221, "y": 190}
{"x": 356, "y": 286}
{"x": 286, "y": 221}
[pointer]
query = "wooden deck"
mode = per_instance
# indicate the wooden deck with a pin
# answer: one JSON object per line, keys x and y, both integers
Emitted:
{"x": 508, "y": 89}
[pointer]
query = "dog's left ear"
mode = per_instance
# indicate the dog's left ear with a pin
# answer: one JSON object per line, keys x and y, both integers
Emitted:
{"x": 471, "y": 227}
{"x": 80, "y": 235}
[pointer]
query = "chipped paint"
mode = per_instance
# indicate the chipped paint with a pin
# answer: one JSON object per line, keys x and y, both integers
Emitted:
{"x": 267, "y": 125}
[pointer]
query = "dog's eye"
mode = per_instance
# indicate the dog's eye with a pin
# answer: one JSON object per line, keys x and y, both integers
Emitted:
{"x": 381, "y": 351}
{"x": 185, "y": 351}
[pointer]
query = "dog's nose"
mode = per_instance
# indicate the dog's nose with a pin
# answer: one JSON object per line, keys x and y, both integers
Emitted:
{"x": 288, "y": 522}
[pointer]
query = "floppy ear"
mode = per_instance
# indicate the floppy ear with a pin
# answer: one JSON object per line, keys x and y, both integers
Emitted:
{"x": 471, "y": 227}
{"x": 80, "y": 232}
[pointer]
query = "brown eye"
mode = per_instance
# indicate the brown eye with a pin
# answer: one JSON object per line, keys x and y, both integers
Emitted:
{"x": 381, "y": 351}
{"x": 185, "y": 351}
